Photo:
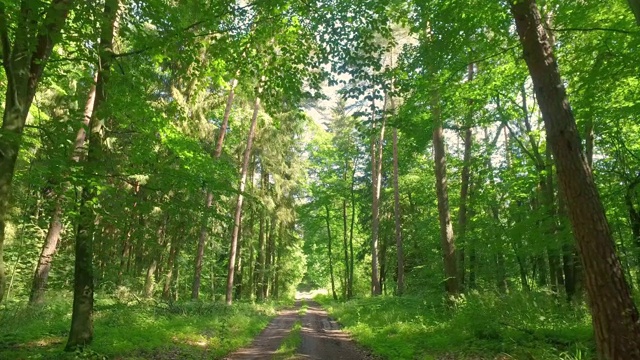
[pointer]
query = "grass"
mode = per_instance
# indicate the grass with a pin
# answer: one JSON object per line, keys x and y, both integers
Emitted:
{"x": 187, "y": 330}
{"x": 483, "y": 326}
{"x": 291, "y": 343}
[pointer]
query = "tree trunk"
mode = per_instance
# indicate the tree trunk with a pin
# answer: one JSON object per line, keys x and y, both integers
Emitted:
{"x": 351, "y": 226}
{"x": 464, "y": 192}
{"x": 168, "y": 279}
{"x": 614, "y": 313}
{"x": 269, "y": 258}
{"x": 155, "y": 253}
{"x": 23, "y": 67}
{"x": 204, "y": 227}
{"x": 46, "y": 255}
{"x": 397, "y": 216}
{"x": 376, "y": 178}
{"x": 238, "y": 212}
{"x": 202, "y": 240}
{"x": 464, "y": 188}
{"x": 345, "y": 236}
{"x": 446, "y": 229}
{"x": 259, "y": 269}
{"x": 81, "y": 333}
{"x": 329, "y": 252}
{"x": 55, "y": 223}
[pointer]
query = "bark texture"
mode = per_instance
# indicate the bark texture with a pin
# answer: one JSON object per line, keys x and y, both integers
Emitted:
{"x": 446, "y": 228}
{"x": 614, "y": 314}
{"x": 81, "y": 333}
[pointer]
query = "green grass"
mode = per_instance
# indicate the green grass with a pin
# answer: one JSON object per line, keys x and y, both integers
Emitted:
{"x": 291, "y": 343}
{"x": 483, "y": 326}
{"x": 187, "y": 330}
{"x": 303, "y": 309}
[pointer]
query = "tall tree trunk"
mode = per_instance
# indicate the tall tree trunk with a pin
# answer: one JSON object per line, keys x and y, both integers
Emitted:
{"x": 446, "y": 229}
{"x": 464, "y": 194}
{"x": 464, "y": 187}
{"x": 238, "y": 212}
{"x": 397, "y": 216}
{"x": 55, "y": 223}
{"x": 24, "y": 64}
{"x": 329, "y": 252}
{"x": 81, "y": 333}
{"x": 259, "y": 269}
{"x": 614, "y": 314}
{"x": 204, "y": 227}
{"x": 269, "y": 258}
{"x": 345, "y": 235}
{"x": 376, "y": 177}
{"x": 351, "y": 226}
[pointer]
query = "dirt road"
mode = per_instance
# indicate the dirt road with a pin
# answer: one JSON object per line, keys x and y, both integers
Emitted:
{"x": 322, "y": 338}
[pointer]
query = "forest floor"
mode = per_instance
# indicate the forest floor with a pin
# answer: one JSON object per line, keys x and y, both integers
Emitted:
{"x": 302, "y": 332}
{"x": 134, "y": 330}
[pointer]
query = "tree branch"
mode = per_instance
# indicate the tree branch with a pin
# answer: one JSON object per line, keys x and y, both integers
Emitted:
{"x": 53, "y": 24}
{"x": 619, "y": 31}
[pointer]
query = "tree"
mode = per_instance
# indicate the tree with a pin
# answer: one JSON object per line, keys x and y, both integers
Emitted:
{"x": 24, "y": 62}
{"x": 81, "y": 333}
{"x": 615, "y": 316}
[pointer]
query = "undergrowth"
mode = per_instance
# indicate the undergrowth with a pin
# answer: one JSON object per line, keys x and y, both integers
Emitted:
{"x": 138, "y": 330}
{"x": 478, "y": 326}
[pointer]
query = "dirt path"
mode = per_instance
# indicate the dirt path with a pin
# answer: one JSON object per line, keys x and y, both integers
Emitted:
{"x": 322, "y": 338}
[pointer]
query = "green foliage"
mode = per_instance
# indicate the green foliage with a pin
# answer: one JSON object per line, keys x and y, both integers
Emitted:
{"x": 138, "y": 330}
{"x": 482, "y": 326}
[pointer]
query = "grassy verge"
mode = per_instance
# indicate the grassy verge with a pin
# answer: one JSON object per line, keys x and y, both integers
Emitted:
{"x": 478, "y": 327}
{"x": 187, "y": 330}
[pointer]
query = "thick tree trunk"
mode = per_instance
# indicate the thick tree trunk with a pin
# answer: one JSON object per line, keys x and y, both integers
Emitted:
{"x": 238, "y": 212}
{"x": 23, "y": 67}
{"x": 81, "y": 333}
{"x": 446, "y": 229}
{"x": 204, "y": 227}
{"x": 614, "y": 313}
{"x": 397, "y": 217}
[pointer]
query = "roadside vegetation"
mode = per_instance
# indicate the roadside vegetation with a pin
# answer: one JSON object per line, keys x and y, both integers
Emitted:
{"x": 484, "y": 326}
{"x": 134, "y": 329}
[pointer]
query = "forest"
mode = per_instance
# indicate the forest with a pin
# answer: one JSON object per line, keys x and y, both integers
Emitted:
{"x": 451, "y": 179}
